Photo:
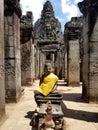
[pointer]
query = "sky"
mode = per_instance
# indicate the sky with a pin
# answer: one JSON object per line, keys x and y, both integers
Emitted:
{"x": 63, "y": 9}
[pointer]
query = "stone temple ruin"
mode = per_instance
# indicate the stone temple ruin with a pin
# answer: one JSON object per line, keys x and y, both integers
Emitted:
{"x": 24, "y": 48}
{"x": 48, "y": 40}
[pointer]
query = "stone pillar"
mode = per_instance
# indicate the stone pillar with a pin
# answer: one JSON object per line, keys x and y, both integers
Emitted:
{"x": 41, "y": 63}
{"x": 72, "y": 35}
{"x": 90, "y": 53}
{"x": 37, "y": 63}
{"x": 12, "y": 50}
{"x": 73, "y": 63}
{"x": 62, "y": 59}
{"x": 85, "y": 63}
{"x": 33, "y": 62}
{"x": 65, "y": 56}
{"x": 59, "y": 64}
{"x": 27, "y": 48}
{"x": 65, "y": 66}
{"x": 2, "y": 78}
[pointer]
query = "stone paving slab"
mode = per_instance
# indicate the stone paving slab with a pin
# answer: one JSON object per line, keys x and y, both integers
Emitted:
{"x": 77, "y": 114}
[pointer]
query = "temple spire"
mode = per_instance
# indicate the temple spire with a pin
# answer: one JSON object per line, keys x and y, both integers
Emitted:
{"x": 47, "y": 10}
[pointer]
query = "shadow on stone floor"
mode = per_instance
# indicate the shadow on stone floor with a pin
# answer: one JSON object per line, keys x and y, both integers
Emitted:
{"x": 77, "y": 114}
{"x": 29, "y": 114}
{"x": 76, "y": 97}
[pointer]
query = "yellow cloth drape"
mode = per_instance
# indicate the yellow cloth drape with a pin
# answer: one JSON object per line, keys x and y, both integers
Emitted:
{"x": 48, "y": 84}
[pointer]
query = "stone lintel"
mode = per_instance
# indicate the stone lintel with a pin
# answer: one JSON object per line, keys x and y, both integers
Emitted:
{"x": 49, "y": 46}
{"x": 46, "y": 50}
{"x": 47, "y": 42}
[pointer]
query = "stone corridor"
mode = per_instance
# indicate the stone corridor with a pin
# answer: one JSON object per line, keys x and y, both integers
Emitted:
{"x": 25, "y": 48}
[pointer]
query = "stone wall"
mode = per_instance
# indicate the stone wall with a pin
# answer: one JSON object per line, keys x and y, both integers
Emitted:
{"x": 2, "y": 77}
{"x": 12, "y": 50}
{"x": 90, "y": 52}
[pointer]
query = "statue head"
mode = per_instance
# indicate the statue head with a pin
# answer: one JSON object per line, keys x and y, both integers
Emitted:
{"x": 47, "y": 68}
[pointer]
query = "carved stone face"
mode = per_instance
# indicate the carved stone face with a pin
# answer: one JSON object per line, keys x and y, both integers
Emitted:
{"x": 47, "y": 68}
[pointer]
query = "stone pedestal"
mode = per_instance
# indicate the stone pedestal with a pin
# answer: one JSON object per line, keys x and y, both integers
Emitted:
{"x": 2, "y": 78}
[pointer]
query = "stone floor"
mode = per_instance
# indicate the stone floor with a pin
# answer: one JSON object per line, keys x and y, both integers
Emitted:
{"x": 78, "y": 114}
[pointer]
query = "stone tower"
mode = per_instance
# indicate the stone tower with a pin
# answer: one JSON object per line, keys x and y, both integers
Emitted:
{"x": 48, "y": 40}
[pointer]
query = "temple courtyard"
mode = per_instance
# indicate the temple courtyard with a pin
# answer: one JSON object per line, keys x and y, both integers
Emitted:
{"x": 78, "y": 114}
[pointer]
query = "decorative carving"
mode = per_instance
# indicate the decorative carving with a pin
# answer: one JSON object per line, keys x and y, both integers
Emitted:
{"x": 9, "y": 69}
{"x": 25, "y": 58}
{"x": 48, "y": 27}
{"x": 73, "y": 28}
{"x": 26, "y": 27}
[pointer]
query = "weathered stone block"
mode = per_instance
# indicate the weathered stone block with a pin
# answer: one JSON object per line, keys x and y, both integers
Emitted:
{"x": 11, "y": 40}
{"x": 73, "y": 63}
